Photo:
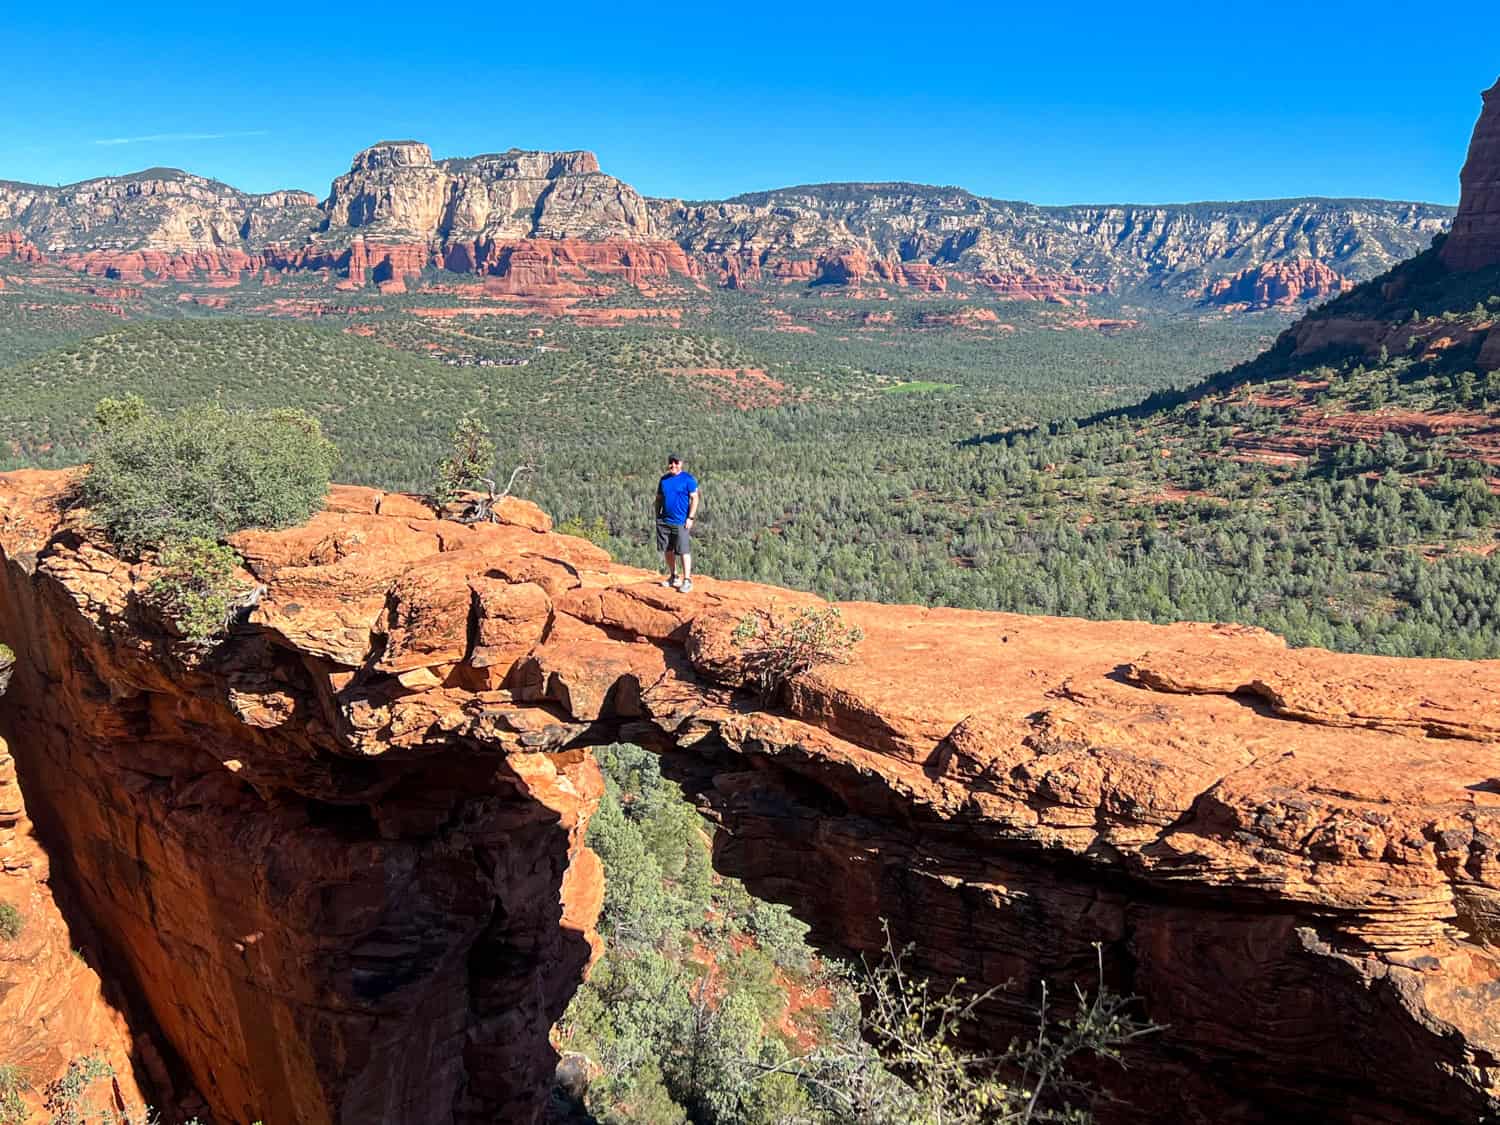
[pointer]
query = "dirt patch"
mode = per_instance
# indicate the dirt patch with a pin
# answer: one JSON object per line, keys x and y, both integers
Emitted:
{"x": 744, "y": 387}
{"x": 1173, "y": 495}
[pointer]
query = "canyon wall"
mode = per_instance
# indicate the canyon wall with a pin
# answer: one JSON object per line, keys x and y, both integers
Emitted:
{"x": 340, "y": 860}
{"x": 320, "y": 936}
{"x": 53, "y": 1006}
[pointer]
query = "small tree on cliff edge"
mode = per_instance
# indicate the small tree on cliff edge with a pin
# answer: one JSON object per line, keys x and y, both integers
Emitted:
{"x": 470, "y": 463}
{"x": 775, "y": 646}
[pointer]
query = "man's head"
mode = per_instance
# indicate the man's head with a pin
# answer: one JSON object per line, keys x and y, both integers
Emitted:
{"x": 674, "y": 464}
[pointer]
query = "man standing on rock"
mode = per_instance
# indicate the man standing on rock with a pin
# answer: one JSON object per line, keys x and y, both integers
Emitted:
{"x": 676, "y": 505}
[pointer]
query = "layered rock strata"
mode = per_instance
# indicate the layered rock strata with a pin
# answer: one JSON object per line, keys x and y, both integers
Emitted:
{"x": 1276, "y": 283}
{"x": 1474, "y": 242}
{"x": 342, "y": 857}
{"x": 1019, "y": 249}
{"x": 398, "y": 211}
{"x": 320, "y": 935}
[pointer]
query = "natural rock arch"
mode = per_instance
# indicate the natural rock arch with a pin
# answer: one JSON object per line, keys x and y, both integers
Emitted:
{"x": 341, "y": 861}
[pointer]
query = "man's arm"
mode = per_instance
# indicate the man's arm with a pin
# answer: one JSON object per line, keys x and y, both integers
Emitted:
{"x": 692, "y": 505}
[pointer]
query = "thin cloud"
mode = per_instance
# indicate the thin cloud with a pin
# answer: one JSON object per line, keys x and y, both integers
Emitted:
{"x": 181, "y": 137}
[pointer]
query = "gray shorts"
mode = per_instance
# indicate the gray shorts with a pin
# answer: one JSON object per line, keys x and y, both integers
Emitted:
{"x": 674, "y": 538}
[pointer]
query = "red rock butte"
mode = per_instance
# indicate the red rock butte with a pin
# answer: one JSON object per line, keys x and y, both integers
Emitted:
{"x": 1276, "y": 283}
{"x": 1474, "y": 241}
{"x": 339, "y": 871}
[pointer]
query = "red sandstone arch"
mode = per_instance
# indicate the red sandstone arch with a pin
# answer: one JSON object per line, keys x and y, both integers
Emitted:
{"x": 341, "y": 862}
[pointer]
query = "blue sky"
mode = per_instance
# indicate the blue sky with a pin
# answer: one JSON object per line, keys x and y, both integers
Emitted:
{"x": 1052, "y": 103}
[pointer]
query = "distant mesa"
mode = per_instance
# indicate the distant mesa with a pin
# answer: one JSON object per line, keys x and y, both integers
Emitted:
{"x": 1474, "y": 242}
{"x": 394, "y": 154}
{"x": 545, "y": 225}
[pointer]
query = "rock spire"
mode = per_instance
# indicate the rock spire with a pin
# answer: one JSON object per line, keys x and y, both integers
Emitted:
{"x": 1474, "y": 242}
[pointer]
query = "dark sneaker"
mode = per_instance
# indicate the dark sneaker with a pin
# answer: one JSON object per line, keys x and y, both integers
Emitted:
{"x": 674, "y": 582}
{"x": 686, "y": 587}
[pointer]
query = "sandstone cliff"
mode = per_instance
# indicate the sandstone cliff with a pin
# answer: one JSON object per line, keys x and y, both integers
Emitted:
{"x": 398, "y": 211}
{"x": 1475, "y": 240}
{"x": 395, "y": 190}
{"x": 1179, "y": 248}
{"x": 53, "y": 1007}
{"x": 158, "y": 209}
{"x": 341, "y": 860}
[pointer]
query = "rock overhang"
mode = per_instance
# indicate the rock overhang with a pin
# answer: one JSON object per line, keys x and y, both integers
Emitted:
{"x": 975, "y": 778}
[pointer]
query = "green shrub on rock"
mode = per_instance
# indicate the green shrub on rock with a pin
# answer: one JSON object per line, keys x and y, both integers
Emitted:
{"x": 197, "y": 590}
{"x": 202, "y": 472}
{"x": 12, "y": 922}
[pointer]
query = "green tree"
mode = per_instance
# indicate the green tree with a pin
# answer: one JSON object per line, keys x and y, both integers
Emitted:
{"x": 202, "y": 472}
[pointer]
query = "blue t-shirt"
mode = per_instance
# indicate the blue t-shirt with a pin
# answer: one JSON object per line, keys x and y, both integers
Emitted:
{"x": 674, "y": 498}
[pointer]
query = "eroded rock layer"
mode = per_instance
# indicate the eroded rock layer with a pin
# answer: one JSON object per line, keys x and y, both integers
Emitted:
{"x": 1276, "y": 283}
{"x": 310, "y": 958}
{"x": 342, "y": 858}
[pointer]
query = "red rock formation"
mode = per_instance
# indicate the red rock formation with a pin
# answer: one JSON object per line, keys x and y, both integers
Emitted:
{"x": 13, "y": 244}
{"x": 1474, "y": 241}
{"x": 799, "y": 270}
{"x": 965, "y": 318}
{"x": 552, "y": 267}
{"x": 1313, "y": 335}
{"x": 342, "y": 858}
{"x": 380, "y": 262}
{"x": 1272, "y": 284}
{"x": 1057, "y": 288}
{"x": 313, "y": 953}
{"x": 921, "y": 275}
{"x": 1489, "y": 353}
{"x": 833, "y": 267}
{"x": 136, "y": 266}
{"x": 204, "y": 301}
{"x": 849, "y": 267}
